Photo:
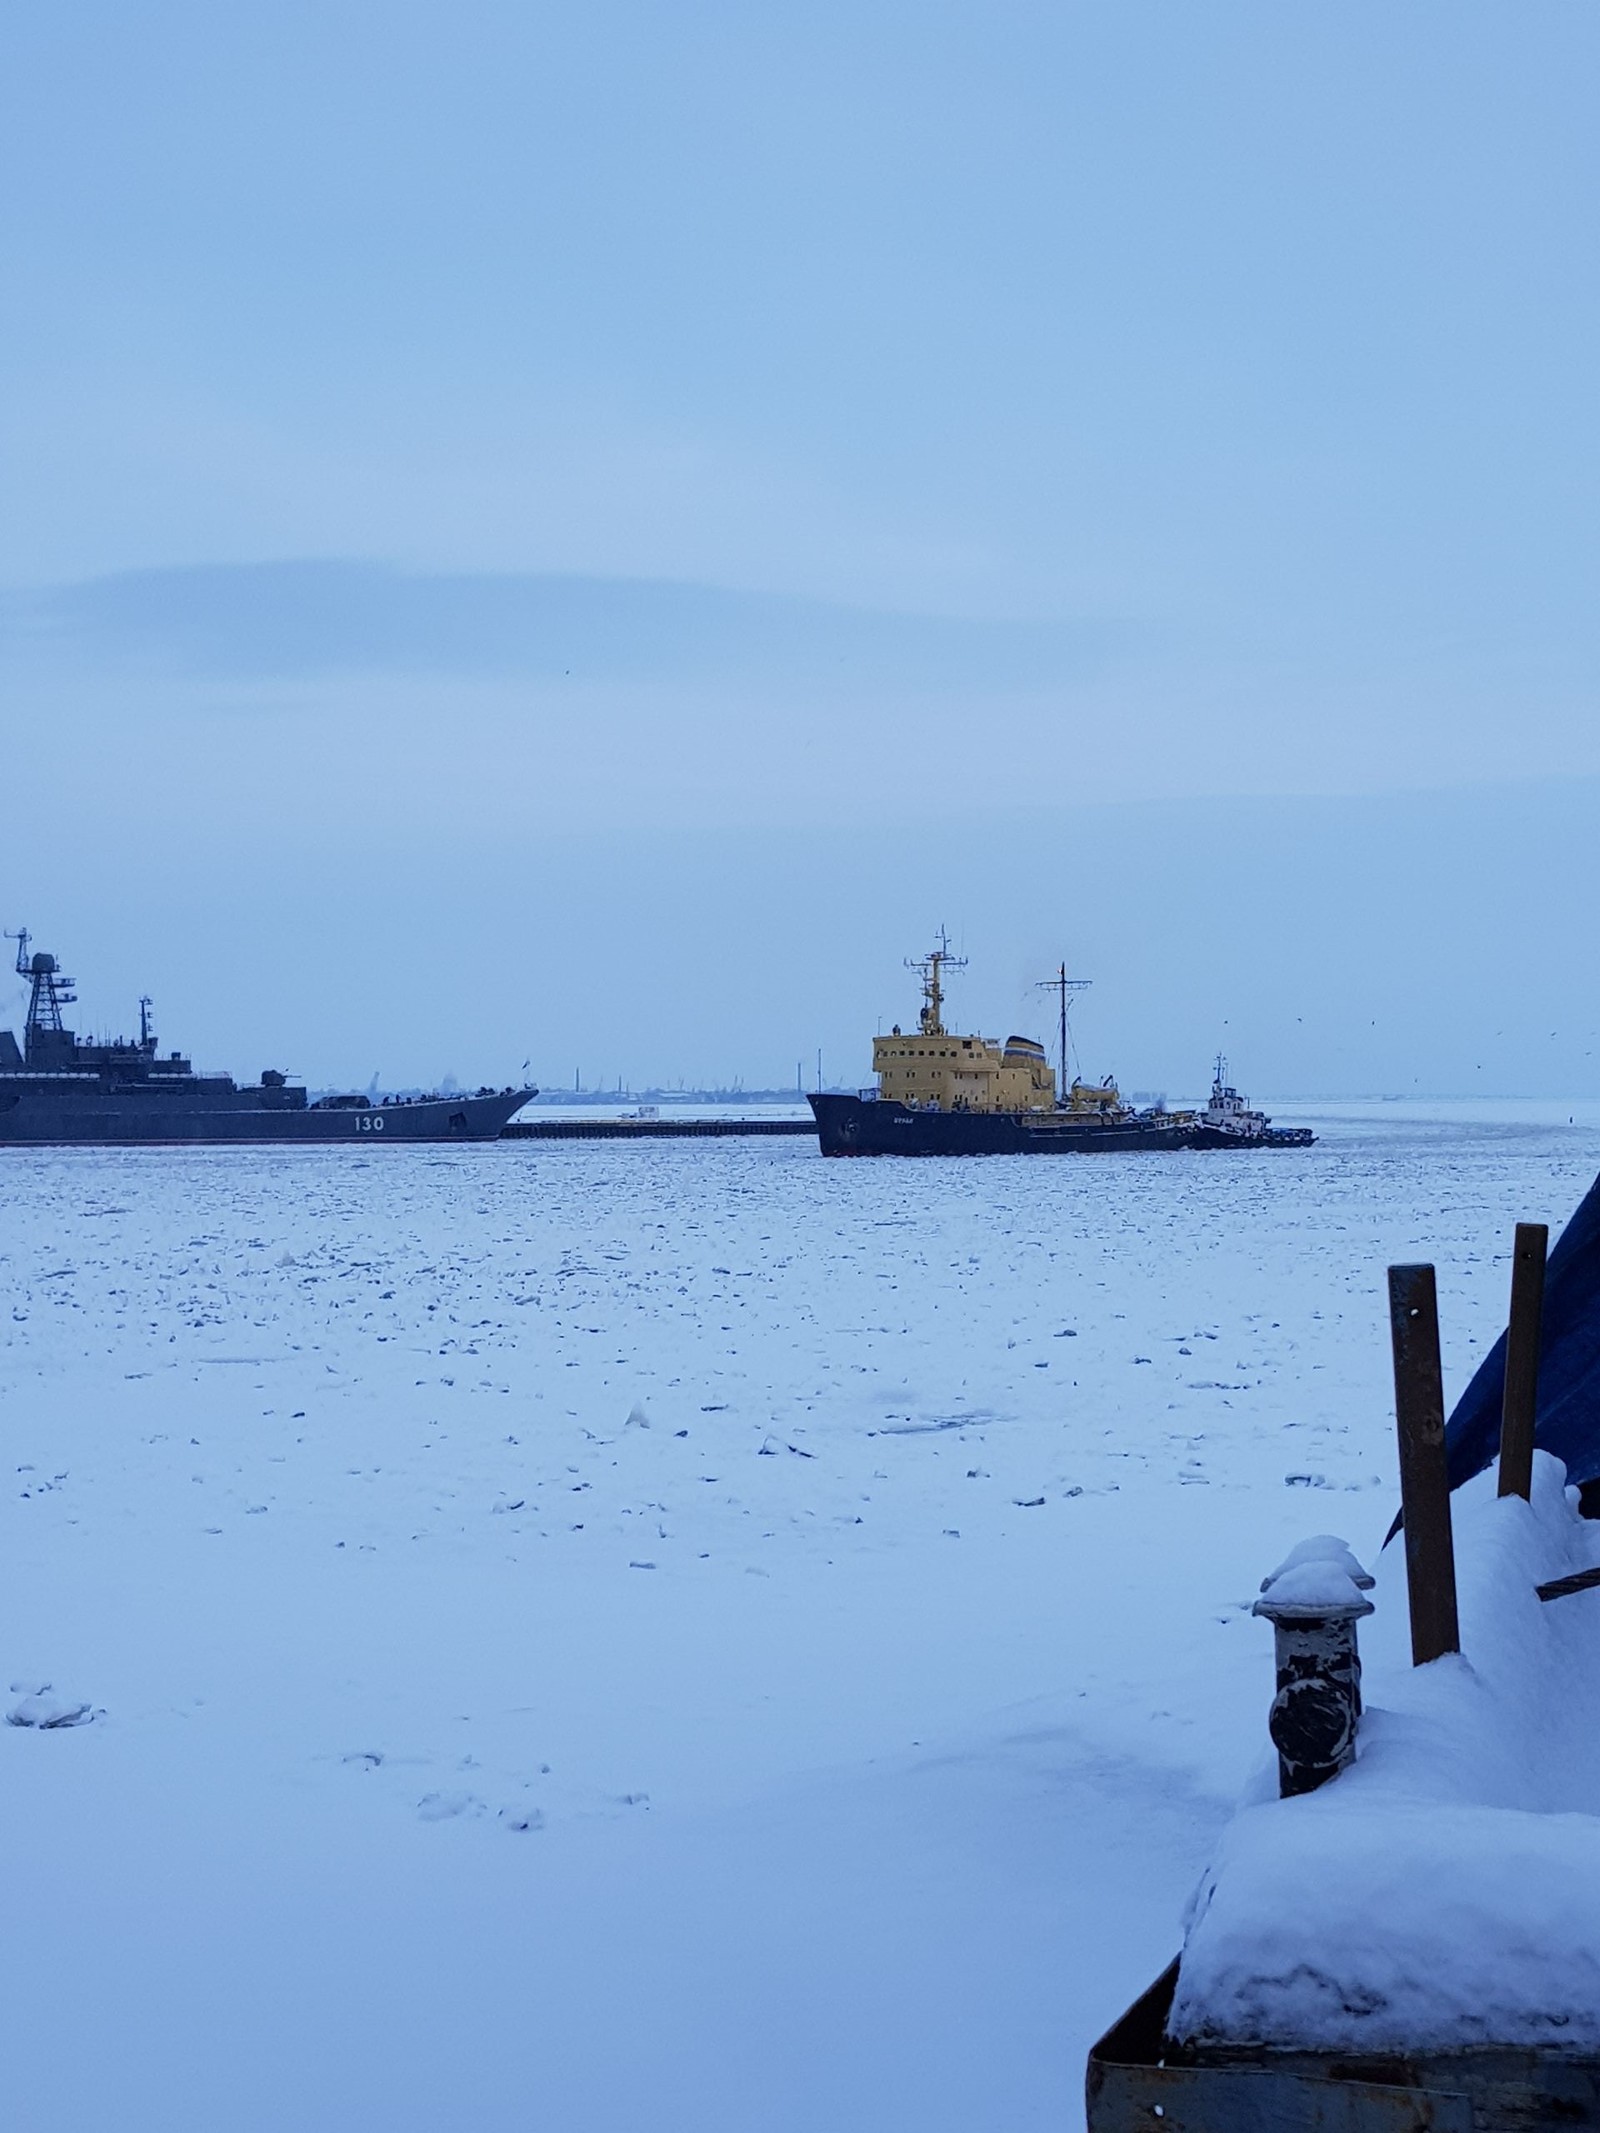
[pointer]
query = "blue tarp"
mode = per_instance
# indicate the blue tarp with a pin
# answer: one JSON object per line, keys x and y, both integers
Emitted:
{"x": 1568, "y": 1416}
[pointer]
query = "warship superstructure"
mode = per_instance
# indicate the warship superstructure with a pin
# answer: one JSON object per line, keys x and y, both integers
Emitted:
{"x": 938, "y": 1093}
{"x": 57, "y": 1087}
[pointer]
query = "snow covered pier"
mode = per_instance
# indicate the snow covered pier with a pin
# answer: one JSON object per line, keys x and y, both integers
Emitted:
{"x": 1411, "y": 1937}
{"x": 648, "y": 1129}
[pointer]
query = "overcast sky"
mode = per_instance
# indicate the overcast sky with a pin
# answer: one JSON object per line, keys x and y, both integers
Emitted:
{"x": 465, "y": 466}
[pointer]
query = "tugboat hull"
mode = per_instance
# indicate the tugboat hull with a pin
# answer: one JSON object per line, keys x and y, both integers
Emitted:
{"x": 849, "y": 1125}
{"x": 39, "y": 1115}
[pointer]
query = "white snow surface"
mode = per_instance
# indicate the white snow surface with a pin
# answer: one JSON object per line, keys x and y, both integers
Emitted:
{"x": 591, "y": 1635}
{"x": 1444, "y": 1892}
{"x": 1312, "y": 1590}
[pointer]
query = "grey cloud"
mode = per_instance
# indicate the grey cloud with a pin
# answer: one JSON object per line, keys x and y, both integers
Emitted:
{"x": 308, "y": 617}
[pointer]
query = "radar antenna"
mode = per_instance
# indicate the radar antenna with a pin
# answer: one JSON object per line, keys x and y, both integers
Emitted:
{"x": 930, "y": 967}
{"x": 51, "y": 991}
{"x": 1062, "y": 985}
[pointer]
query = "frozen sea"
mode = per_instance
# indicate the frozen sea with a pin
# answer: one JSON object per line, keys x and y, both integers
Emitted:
{"x": 590, "y": 1636}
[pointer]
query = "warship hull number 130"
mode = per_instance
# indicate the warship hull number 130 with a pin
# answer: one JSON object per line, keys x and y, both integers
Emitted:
{"x": 940, "y": 1094}
{"x": 60, "y": 1088}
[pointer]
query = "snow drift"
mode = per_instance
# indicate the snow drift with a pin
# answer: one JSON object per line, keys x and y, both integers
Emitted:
{"x": 1445, "y": 1891}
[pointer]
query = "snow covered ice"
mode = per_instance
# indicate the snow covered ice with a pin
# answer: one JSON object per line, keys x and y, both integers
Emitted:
{"x": 837, "y": 1744}
{"x": 43, "y": 1708}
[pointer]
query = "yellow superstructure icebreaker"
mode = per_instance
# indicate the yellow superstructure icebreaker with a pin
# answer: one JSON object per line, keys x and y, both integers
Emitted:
{"x": 939, "y": 1093}
{"x": 959, "y": 1073}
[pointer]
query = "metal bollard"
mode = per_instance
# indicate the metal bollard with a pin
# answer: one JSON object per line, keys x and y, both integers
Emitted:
{"x": 1330, "y": 1551}
{"x": 1314, "y": 1605}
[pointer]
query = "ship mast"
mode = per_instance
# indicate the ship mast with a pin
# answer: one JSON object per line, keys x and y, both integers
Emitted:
{"x": 929, "y": 967}
{"x": 1063, "y": 985}
{"x": 50, "y": 990}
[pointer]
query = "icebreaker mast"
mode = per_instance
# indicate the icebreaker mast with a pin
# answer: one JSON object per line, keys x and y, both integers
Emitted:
{"x": 1064, "y": 987}
{"x": 929, "y": 967}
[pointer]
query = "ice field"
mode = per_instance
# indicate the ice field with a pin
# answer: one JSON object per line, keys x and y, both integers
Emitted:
{"x": 589, "y": 1636}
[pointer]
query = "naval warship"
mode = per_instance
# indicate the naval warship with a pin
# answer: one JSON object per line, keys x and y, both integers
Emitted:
{"x": 941, "y": 1094}
{"x": 60, "y": 1088}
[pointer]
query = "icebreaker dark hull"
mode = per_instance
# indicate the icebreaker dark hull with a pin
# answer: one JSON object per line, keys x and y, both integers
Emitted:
{"x": 59, "y": 1110}
{"x": 850, "y": 1125}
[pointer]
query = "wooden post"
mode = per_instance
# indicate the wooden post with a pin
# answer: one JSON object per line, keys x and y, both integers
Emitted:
{"x": 1424, "y": 1474}
{"x": 1520, "y": 1402}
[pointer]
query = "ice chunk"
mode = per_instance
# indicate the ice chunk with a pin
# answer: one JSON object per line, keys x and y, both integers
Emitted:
{"x": 48, "y": 1711}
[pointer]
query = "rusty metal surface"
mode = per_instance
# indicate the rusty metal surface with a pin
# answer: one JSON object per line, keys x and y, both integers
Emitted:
{"x": 1195, "y": 2099}
{"x": 1139, "y": 2082}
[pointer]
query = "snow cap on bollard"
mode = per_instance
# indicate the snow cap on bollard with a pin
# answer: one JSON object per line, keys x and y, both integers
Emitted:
{"x": 1318, "y": 1591}
{"x": 1313, "y": 1606}
{"x": 1323, "y": 1548}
